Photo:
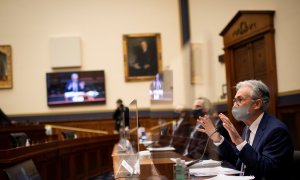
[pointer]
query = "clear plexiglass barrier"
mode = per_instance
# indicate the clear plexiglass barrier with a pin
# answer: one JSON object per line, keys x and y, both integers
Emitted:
{"x": 127, "y": 157}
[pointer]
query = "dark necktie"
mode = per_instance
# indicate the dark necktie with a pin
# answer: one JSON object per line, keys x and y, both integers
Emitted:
{"x": 247, "y": 137}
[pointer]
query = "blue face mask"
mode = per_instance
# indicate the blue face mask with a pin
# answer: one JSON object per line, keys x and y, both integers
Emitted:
{"x": 241, "y": 113}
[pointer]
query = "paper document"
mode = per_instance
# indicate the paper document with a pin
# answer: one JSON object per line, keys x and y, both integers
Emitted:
{"x": 127, "y": 166}
{"x": 203, "y": 163}
{"x": 206, "y": 163}
{"x": 212, "y": 171}
{"x": 167, "y": 148}
{"x": 147, "y": 143}
{"x": 225, "y": 177}
{"x": 145, "y": 154}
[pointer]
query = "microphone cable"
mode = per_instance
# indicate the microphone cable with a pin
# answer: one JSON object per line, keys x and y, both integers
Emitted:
{"x": 197, "y": 160}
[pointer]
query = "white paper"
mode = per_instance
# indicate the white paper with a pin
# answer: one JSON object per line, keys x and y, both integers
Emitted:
{"x": 225, "y": 177}
{"x": 144, "y": 153}
{"x": 147, "y": 143}
{"x": 167, "y": 148}
{"x": 206, "y": 163}
{"x": 127, "y": 166}
{"x": 203, "y": 163}
{"x": 212, "y": 171}
{"x": 137, "y": 167}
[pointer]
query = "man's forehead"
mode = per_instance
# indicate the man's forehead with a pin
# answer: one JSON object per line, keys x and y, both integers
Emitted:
{"x": 198, "y": 102}
{"x": 243, "y": 92}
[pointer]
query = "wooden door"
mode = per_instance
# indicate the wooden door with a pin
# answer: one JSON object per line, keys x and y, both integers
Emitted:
{"x": 250, "y": 61}
{"x": 250, "y": 53}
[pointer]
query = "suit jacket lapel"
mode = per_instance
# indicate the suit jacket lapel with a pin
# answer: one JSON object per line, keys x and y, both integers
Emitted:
{"x": 260, "y": 130}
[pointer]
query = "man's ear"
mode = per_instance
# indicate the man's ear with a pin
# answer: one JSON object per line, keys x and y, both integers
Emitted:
{"x": 258, "y": 104}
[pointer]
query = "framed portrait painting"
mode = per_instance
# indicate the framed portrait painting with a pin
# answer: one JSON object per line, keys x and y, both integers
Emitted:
{"x": 5, "y": 67}
{"x": 142, "y": 56}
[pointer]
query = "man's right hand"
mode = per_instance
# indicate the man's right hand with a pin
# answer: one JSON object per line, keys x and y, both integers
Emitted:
{"x": 208, "y": 128}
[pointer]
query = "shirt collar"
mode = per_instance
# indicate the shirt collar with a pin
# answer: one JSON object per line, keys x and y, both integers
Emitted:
{"x": 254, "y": 126}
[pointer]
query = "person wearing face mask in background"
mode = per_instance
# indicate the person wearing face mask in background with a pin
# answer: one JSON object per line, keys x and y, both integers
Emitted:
{"x": 179, "y": 133}
{"x": 195, "y": 145}
{"x": 265, "y": 149}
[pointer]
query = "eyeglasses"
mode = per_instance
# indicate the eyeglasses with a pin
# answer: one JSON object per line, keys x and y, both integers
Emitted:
{"x": 238, "y": 100}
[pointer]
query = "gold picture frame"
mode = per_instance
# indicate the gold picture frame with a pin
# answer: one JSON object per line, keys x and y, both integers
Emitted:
{"x": 142, "y": 56}
{"x": 5, "y": 67}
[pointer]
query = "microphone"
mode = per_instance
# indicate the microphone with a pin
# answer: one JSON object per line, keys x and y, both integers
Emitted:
{"x": 218, "y": 128}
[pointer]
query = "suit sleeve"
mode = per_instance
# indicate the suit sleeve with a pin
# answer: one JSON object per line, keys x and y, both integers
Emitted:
{"x": 115, "y": 114}
{"x": 228, "y": 152}
{"x": 273, "y": 158}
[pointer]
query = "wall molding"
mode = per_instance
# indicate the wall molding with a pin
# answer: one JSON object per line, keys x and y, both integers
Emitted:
{"x": 284, "y": 100}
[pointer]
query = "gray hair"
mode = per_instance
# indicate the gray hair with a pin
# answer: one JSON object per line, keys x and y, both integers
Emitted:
{"x": 208, "y": 106}
{"x": 259, "y": 91}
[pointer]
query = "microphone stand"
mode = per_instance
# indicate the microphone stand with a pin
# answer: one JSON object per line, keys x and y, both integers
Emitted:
{"x": 200, "y": 159}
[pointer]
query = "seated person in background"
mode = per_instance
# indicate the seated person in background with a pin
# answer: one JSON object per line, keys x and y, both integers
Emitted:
{"x": 265, "y": 149}
{"x": 195, "y": 146}
{"x": 146, "y": 62}
{"x": 181, "y": 130}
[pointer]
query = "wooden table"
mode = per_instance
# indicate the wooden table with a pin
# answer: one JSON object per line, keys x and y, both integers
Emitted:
{"x": 158, "y": 163}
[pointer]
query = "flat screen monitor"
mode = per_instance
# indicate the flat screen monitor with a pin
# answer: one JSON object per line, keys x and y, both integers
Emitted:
{"x": 77, "y": 87}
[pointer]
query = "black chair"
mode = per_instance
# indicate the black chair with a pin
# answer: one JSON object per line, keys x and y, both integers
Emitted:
{"x": 68, "y": 134}
{"x": 164, "y": 137}
{"x": 23, "y": 171}
{"x": 296, "y": 165}
{"x": 18, "y": 139}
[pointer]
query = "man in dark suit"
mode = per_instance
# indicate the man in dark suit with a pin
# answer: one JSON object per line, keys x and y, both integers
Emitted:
{"x": 121, "y": 112}
{"x": 146, "y": 62}
{"x": 181, "y": 130}
{"x": 265, "y": 149}
{"x": 74, "y": 84}
{"x": 195, "y": 146}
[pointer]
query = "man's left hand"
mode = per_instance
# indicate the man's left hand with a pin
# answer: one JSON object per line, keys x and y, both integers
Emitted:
{"x": 234, "y": 135}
